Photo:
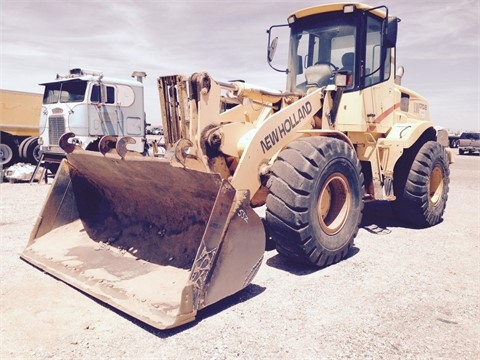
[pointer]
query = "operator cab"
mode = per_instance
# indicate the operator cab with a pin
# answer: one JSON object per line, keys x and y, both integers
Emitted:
{"x": 353, "y": 39}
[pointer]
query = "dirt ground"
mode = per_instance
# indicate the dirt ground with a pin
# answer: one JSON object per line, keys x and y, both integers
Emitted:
{"x": 402, "y": 293}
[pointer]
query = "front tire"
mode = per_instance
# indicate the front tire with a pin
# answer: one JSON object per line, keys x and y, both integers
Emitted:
{"x": 314, "y": 207}
{"x": 422, "y": 195}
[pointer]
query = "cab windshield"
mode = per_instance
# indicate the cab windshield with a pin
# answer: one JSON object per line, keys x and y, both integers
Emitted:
{"x": 64, "y": 91}
{"x": 319, "y": 45}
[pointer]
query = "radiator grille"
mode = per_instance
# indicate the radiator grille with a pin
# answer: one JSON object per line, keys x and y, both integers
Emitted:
{"x": 56, "y": 128}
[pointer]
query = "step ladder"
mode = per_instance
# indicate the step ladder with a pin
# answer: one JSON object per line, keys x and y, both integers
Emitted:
{"x": 47, "y": 158}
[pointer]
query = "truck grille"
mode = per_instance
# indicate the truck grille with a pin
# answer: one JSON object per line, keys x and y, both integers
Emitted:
{"x": 56, "y": 128}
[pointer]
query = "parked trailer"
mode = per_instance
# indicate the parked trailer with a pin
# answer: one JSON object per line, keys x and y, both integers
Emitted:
{"x": 19, "y": 115}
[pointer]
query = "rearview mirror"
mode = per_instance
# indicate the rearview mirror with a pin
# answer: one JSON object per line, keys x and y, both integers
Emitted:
{"x": 272, "y": 46}
{"x": 271, "y": 49}
{"x": 390, "y": 35}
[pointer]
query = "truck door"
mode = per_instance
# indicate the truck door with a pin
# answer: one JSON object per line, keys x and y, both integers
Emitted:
{"x": 103, "y": 121}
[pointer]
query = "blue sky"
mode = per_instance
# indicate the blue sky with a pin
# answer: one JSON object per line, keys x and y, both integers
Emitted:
{"x": 438, "y": 44}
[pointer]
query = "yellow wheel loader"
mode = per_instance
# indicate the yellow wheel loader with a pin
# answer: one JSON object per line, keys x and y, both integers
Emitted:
{"x": 161, "y": 238}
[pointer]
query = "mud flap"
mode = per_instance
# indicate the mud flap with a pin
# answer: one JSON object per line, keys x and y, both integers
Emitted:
{"x": 156, "y": 241}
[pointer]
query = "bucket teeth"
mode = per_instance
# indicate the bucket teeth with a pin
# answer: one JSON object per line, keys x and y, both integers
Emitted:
{"x": 112, "y": 144}
{"x": 65, "y": 143}
{"x": 180, "y": 150}
{"x": 107, "y": 144}
{"x": 122, "y": 145}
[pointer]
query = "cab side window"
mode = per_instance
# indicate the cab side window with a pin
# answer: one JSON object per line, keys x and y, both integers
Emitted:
{"x": 96, "y": 97}
{"x": 375, "y": 70}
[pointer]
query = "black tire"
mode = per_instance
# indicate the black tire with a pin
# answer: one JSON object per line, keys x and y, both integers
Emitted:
{"x": 37, "y": 152}
{"x": 314, "y": 207}
{"x": 29, "y": 150}
{"x": 33, "y": 151}
{"x": 21, "y": 152}
{"x": 421, "y": 190}
{"x": 461, "y": 152}
{"x": 8, "y": 151}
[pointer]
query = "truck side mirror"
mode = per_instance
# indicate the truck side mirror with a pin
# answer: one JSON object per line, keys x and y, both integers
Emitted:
{"x": 272, "y": 46}
{"x": 271, "y": 49}
{"x": 390, "y": 35}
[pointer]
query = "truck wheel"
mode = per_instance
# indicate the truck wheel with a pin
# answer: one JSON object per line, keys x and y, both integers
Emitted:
{"x": 30, "y": 150}
{"x": 314, "y": 206}
{"x": 36, "y": 152}
{"x": 8, "y": 151}
{"x": 33, "y": 151}
{"x": 422, "y": 194}
{"x": 461, "y": 152}
{"x": 21, "y": 149}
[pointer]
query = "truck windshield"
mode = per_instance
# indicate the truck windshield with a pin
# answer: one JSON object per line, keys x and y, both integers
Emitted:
{"x": 319, "y": 45}
{"x": 64, "y": 92}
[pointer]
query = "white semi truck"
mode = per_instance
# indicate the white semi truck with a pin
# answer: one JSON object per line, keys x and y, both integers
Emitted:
{"x": 91, "y": 106}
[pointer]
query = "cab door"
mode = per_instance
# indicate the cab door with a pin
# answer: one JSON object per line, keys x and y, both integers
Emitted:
{"x": 377, "y": 79}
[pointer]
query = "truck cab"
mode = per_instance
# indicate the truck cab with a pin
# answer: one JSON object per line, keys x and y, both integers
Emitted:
{"x": 91, "y": 106}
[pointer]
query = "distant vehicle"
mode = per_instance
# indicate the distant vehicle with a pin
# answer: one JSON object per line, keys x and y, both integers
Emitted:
{"x": 453, "y": 141}
{"x": 469, "y": 142}
{"x": 155, "y": 131}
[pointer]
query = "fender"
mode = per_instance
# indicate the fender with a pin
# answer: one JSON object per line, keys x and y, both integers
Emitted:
{"x": 272, "y": 135}
{"x": 406, "y": 134}
{"x": 329, "y": 133}
{"x": 401, "y": 137}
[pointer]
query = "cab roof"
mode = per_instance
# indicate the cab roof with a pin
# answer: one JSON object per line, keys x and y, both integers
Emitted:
{"x": 320, "y": 9}
{"x": 106, "y": 80}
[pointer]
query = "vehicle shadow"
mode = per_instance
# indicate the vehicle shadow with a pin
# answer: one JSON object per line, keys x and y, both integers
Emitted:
{"x": 282, "y": 262}
{"x": 378, "y": 218}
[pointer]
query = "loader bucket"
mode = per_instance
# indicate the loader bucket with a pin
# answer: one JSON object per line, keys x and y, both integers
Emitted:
{"x": 157, "y": 241}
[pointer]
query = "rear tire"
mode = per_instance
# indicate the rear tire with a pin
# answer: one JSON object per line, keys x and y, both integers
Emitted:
{"x": 314, "y": 207}
{"x": 21, "y": 149}
{"x": 33, "y": 151}
{"x": 8, "y": 151}
{"x": 30, "y": 150}
{"x": 422, "y": 194}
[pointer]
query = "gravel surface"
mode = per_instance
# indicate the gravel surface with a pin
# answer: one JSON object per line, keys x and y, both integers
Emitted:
{"x": 402, "y": 293}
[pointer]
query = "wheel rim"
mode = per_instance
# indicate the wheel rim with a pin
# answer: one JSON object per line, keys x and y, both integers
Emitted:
{"x": 333, "y": 204}
{"x": 6, "y": 154}
{"x": 36, "y": 153}
{"x": 436, "y": 185}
